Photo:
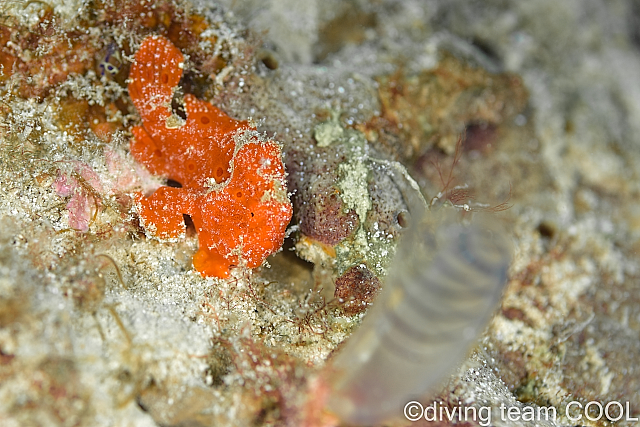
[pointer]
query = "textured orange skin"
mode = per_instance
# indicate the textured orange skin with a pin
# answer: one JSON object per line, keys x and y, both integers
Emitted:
{"x": 242, "y": 218}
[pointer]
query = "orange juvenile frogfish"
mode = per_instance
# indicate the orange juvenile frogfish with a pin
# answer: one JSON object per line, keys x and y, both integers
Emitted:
{"x": 233, "y": 183}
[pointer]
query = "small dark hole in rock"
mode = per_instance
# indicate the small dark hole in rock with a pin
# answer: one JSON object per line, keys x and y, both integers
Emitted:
{"x": 546, "y": 230}
{"x": 191, "y": 227}
{"x": 141, "y": 405}
{"x": 403, "y": 218}
{"x": 488, "y": 50}
{"x": 177, "y": 106}
{"x": 174, "y": 184}
{"x": 269, "y": 61}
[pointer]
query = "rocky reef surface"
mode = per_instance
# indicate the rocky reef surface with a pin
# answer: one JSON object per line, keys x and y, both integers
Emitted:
{"x": 527, "y": 112}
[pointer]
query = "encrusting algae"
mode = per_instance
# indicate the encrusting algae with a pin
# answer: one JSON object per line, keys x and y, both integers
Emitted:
{"x": 232, "y": 183}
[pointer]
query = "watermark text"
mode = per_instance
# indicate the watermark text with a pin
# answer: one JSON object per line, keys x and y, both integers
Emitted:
{"x": 574, "y": 411}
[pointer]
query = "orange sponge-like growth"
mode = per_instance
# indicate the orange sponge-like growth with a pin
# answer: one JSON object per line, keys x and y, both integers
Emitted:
{"x": 233, "y": 184}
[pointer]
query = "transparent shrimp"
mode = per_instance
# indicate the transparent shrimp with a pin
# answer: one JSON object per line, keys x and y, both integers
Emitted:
{"x": 440, "y": 293}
